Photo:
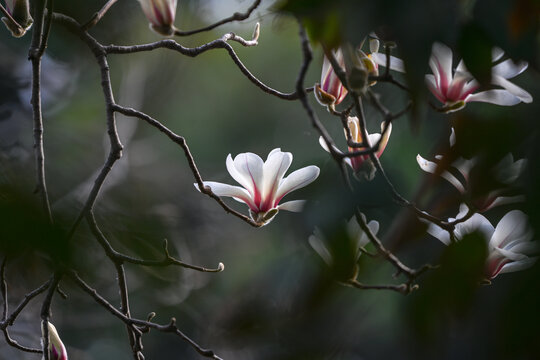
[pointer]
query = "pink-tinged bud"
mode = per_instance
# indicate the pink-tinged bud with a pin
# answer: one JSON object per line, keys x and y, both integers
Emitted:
{"x": 160, "y": 14}
{"x": 362, "y": 164}
{"x": 57, "y": 350}
{"x": 330, "y": 91}
{"x": 20, "y": 12}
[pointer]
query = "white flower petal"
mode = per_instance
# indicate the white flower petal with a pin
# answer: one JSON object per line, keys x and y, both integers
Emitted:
{"x": 512, "y": 88}
{"x": 431, "y": 83}
{"x": 504, "y": 200}
{"x": 274, "y": 168}
{"x": 509, "y": 69}
{"x": 317, "y": 244}
{"x": 452, "y": 138}
{"x": 476, "y": 223}
{"x": 294, "y": 205}
{"x": 497, "y": 97}
{"x": 296, "y": 180}
{"x": 439, "y": 233}
{"x": 236, "y": 192}
{"x": 511, "y": 226}
{"x": 442, "y": 55}
{"x": 247, "y": 170}
{"x": 396, "y": 64}
{"x": 518, "y": 265}
{"x": 431, "y": 167}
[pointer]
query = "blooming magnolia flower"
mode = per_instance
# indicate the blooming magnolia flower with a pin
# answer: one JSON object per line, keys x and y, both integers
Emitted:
{"x": 362, "y": 164}
{"x": 505, "y": 172}
{"x": 20, "y": 12}
{"x": 456, "y": 88}
{"x": 160, "y": 14}
{"x": 454, "y": 91}
{"x": 343, "y": 257}
{"x": 509, "y": 244}
{"x": 263, "y": 183}
{"x": 330, "y": 91}
{"x": 57, "y": 350}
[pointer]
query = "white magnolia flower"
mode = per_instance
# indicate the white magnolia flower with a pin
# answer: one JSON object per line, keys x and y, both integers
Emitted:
{"x": 160, "y": 14}
{"x": 456, "y": 88}
{"x": 362, "y": 165}
{"x": 506, "y": 172}
{"x": 263, "y": 184}
{"x": 509, "y": 244}
{"x": 57, "y": 350}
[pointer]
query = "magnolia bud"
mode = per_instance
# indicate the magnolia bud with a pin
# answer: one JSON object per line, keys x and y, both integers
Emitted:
{"x": 20, "y": 12}
{"x": 57, "y": 350}
{"x": 160, "y": 14}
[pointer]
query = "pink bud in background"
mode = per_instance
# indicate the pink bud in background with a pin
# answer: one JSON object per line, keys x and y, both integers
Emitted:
{"x": 160, "y": 14}
{"x": 57, "y": 350}
{"x": 330, "y": 91}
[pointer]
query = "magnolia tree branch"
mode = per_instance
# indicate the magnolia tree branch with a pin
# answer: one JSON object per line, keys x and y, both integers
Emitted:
{"x": 137, "y": 324}
{"x": 235, "y": 17}
{"x": 181, "y": 141}
{"x": 39, "y": 41}
{"x": 98, "y": 15}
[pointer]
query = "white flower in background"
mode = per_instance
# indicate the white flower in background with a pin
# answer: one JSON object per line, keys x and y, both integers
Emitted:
{"x": 330, "y": 91}
{"x": 20, "y": 12}
{"x": 57, "y": 350}
{"x": 361, "y": 164}
{"x": 509, "y": 244}
{"x": 506, "y": 172}
{"x": 456, "y": 88}
{"x": 263, "y": 184}
{"x": 160, "y": 14}
{"x": 357, "y": 237}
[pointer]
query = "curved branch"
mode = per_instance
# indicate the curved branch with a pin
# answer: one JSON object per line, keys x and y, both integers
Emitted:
{"x": 235, "y": 17}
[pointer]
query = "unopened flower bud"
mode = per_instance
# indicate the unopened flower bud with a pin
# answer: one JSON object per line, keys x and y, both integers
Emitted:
{"x": 160, "y": 14}
{"x": 20, "y": 12}
{"x": 57, "y": 350}
{"x": 330, "y": 91}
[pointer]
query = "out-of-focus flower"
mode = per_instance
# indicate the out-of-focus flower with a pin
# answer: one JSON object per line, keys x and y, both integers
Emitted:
{"x": 330, "y": 92}
{"x": 456, "y": 88}
{"x": 336, "y": 255}
{"x": 20, "y": 12}
{"x": 362, "y": 165}
{"x": 160, "y": 14}
{"x": 506, "y": 172}
{"x": 263, "y": 184}
{"x": 57, "y": 350}
{"x": 509, "y": 244}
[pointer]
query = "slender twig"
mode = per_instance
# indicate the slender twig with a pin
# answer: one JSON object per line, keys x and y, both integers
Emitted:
{"x": 193, "y": 52}
{"x": 135, "y": 336}
{"x": 170, "y": 328}
{"x": 46, "y": 28}
{"x": 235, "y": 17}
{"x": 18, "y": 346}
{"x": 98, "y": 15}
{"x": 35, "y": 54}
{"x": 115, "y": 256}
{"x": 401, "y": 288}
{"x": 46, "y": 313}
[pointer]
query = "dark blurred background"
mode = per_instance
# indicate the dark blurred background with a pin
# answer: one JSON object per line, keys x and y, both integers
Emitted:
{"x": 276, "y": 298}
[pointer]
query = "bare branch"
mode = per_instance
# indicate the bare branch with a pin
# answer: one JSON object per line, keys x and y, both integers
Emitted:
{"x": 170, "y": 328}
{"x": 98, "y": 15}
{"x": 235, "y": 17}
